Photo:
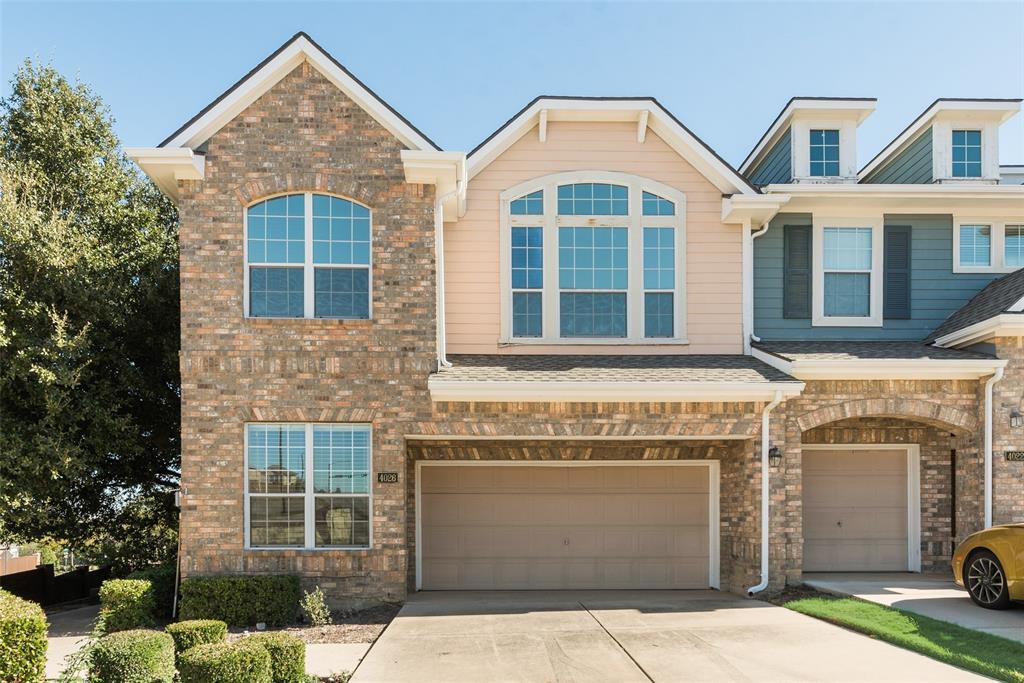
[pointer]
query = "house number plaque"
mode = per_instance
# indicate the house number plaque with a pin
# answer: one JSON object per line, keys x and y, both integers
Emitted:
{"x": 387, "y": 477}
{"x": 1015, "y": 456}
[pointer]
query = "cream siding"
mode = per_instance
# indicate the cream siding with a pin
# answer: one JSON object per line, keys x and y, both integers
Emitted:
{"x": 713, "y": 250}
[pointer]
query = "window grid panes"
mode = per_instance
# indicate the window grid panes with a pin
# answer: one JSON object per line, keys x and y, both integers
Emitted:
{"x": 528, "y": 205}
{"x": 976, "y": 245}
{"x": 593, "y": 199}
{"x": 824, "y": 151}
{"x": 966, "y": 153}
{"x": 659, "y": 274}
{"x": 527, "y": 274}
{"x": 277, "y": 229}
{"x": 593, "y": 259}
{"x": 286, "y": 512}
{"x": 276, "y": 292}
{"x": 847, "y": 272}
{"x": 653, "y": 205}
{"x": 1013, "y": 246}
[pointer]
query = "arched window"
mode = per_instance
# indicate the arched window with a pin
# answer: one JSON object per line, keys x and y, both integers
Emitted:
{"x": 308, "y": 256}
{"x": 593, "y": 258}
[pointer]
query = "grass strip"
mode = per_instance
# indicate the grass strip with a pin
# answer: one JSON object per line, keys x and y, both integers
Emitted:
{"x": 976, "y": 651}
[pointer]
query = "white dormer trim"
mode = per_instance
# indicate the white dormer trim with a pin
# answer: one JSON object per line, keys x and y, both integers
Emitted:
{"x": 659, "y": 121}
{"x": 801, "y": 148}
{"x": 942, "y": 147}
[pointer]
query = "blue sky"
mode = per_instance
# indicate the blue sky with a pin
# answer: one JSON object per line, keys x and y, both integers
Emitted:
{"x": 459, "y": 70}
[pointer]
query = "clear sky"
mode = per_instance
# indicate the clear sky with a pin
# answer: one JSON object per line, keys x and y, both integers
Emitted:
{"x": 460, "y": 70}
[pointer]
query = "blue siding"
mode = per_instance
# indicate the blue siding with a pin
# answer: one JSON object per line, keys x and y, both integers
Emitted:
{"x": 935, "y": 290}
{"x": 911, "y": 166}
{"x": 776, "y": 167}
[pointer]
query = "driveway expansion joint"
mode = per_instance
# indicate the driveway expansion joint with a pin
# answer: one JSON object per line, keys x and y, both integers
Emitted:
{"x": 616, "y": 641}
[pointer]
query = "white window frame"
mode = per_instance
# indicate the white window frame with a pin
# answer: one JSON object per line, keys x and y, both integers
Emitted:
{"x": 634, "y": 222}
{"x": 818, "y": 317}
{"x": 997, "y": 257}
{"x": 309, "y": 496}
{"x": 308, "y": 293}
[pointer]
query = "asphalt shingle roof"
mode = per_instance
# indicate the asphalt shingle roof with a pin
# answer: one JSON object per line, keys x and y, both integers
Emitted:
{"x": 667, "y": 368}
{"x": 994, "y": 299}
{"x": 863, "y": 350}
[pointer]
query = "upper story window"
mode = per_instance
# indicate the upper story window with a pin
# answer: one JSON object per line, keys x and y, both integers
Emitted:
{"x": 975, "y": 245}
{"x": 307, "y": 256}
{"x": 592, "y": 258}
{"x": 966, "y": 153}
{"x": 1013, "y": 246}
{"x": 988, "y": 245}
{"x": 847, "y": 269}
{"x": 824, "y": 153}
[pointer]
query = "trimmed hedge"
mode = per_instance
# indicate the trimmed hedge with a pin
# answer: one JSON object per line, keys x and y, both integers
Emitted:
{"x": 162, "y": 578}
{"x": 136, "y": 656}
{"x": 287, "y": 656}
{"x": 22, "y": 639}
{"x": 126, "y": 604}
{"x": 241, "y": 600}
{"x": 238, "y": 662}
{"x": 189, "y": 634}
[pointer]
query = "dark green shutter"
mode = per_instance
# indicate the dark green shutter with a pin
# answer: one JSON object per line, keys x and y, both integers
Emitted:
{"x": 796, "y": 276}
{"x": 897, "y": 272}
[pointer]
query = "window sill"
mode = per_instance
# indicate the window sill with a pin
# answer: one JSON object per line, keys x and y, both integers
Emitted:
{"x": 827, "y": 321}
{"x": 589, "y": 341}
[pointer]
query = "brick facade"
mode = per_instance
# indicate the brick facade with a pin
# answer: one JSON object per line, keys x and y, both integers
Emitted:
{"x": 1007, "y": 395}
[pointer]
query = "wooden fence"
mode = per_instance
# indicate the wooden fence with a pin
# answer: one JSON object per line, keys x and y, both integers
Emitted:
{"x": 42, "y": 586}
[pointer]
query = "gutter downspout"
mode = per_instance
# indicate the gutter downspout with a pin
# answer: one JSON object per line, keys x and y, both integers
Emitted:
{"x": 442, "y": 358}
{"x": 996, "y": 376}
{"x": 765, "y": 445}
{"x": 748, "y": 286}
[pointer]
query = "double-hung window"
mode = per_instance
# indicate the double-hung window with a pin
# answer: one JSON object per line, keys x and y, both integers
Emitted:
{"x": 966, "y": 154}
{"x": 308, "y": 256}
{"x": 591, "y": 258}
{"x": 848, "y": 278}
{"x": 824, "y": 151}
{"x": 307, "y": 485}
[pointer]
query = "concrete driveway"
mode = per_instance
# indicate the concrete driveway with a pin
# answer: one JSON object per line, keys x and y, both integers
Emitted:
{"x": 932, "y": 595}
{"x": 627, "y": 636}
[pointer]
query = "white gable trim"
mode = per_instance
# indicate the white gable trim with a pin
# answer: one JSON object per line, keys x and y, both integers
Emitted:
{"x": 263, "y": 78}
{"x": 658, "y": 120}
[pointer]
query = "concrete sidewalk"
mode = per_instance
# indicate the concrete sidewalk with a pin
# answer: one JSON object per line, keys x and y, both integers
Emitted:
{"x": 625, "y": 636}
{"x": 67, "y": 633}
{"x": 932, "y": 595}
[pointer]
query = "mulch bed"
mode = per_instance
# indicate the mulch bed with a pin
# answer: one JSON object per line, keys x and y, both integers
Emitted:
{"x": 793, "y": 593}
{"x": 349, "y": 627}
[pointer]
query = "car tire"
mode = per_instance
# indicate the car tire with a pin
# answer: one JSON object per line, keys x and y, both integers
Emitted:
{"x": 985, "y": 581}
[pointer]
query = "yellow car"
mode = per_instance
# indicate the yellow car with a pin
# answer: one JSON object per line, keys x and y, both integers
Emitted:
{"x": 990, "y": 565}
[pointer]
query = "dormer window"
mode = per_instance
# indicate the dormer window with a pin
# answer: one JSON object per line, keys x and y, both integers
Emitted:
{"x": 824, "y": 151}
{"x": 966, "y": 153}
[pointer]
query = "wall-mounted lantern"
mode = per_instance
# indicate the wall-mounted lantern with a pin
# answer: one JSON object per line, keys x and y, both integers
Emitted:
{"x": 774, "y": 456}
{"x": 1016, "y": 419}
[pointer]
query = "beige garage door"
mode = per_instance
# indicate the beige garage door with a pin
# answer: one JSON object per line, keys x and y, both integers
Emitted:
{"x": 554, "y": 527}
{"x": 855, "y": 510}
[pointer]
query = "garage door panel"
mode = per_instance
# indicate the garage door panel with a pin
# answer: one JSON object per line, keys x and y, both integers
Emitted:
{"x": 565, "y": 527}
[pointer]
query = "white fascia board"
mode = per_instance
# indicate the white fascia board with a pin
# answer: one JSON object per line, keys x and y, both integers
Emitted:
{"x": 167, "y": 166}
{"x": 883, "y": 368}
{"x": 1002, "y": 325}
{"x": 271, "y": 73}
{"x": 725, "y": 178}
{"x": 882, "y": 191}
{"x": 862, "y": 108}
{"x": 758, "y": 209}
{"x": 442, "y": 389}
{"x": 445, "y": 170}
{"x": 1001, "y": 110}
{"x": 977, "y": 200}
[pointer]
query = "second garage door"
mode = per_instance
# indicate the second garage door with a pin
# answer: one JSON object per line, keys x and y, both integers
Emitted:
{"x": 855, "y": 509}
{"x": 561, "y": 527}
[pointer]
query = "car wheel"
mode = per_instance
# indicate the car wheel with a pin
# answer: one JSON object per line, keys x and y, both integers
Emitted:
{"x": 986, "y": 581}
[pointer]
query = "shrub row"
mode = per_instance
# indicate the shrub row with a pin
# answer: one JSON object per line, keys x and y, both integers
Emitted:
{"x": 134, "y": 656}
{"x": 189, "y": 634}
{"x": 22, "y": 639}
{"x": 126, "y": 604}
{"x": 162, "y": 580}
{"x": 260, "y": 658}
{"x": 241, "y": 600}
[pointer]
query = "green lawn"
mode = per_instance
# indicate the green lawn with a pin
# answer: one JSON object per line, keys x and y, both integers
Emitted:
{"x": 982, "y": 653}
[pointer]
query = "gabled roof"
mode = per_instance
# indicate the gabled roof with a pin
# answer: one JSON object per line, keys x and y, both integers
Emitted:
{"x": 1004, "y": 296}
{"x": 1007, "y": 106}
{"x": 647, "y": 112}
{"x": 267, "y": 73}
{"x": 861, "y": 105}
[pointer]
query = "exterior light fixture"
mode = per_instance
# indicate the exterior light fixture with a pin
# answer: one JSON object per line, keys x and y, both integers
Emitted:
{"x": 774, "y": 456}
{"x": 1016, "y": 419}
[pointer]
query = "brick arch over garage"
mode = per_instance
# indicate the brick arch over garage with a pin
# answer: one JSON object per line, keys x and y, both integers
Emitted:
{"x": 946, "y": 417}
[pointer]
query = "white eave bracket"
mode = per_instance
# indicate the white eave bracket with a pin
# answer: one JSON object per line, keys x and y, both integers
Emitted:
{"x": 641, "y": 126}
{"x": 167, "y": 165}
{"x": 446, "y": 171}
{"x": 755, "y": 210}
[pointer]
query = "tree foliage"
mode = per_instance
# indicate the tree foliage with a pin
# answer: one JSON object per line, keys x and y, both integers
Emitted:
{"x": 89, "y": 388}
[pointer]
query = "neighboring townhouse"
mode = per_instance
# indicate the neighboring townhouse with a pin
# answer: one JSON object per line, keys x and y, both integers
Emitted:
{"x": 565, "y": 359}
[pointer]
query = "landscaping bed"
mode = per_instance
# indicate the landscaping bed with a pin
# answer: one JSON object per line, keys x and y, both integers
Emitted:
{"x": 349, "y": 627}
{"x": 976, "y": 651}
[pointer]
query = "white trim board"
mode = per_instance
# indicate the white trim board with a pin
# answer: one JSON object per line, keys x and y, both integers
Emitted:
{"x": 882, "y": 368}
{"x": 913, "y": 489}
{"x": 714, "y": 496}
{"x": 1002, "y": 325}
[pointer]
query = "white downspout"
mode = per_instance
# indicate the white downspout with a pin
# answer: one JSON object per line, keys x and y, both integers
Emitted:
{"x": 748, "y": 285}
{"x": 765, "y": 445}
{"x": 442, "y": 358}
{"x": 996, "y": 376}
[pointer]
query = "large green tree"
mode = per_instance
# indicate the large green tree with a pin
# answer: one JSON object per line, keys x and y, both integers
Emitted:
{"x": 89, "y": 332}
